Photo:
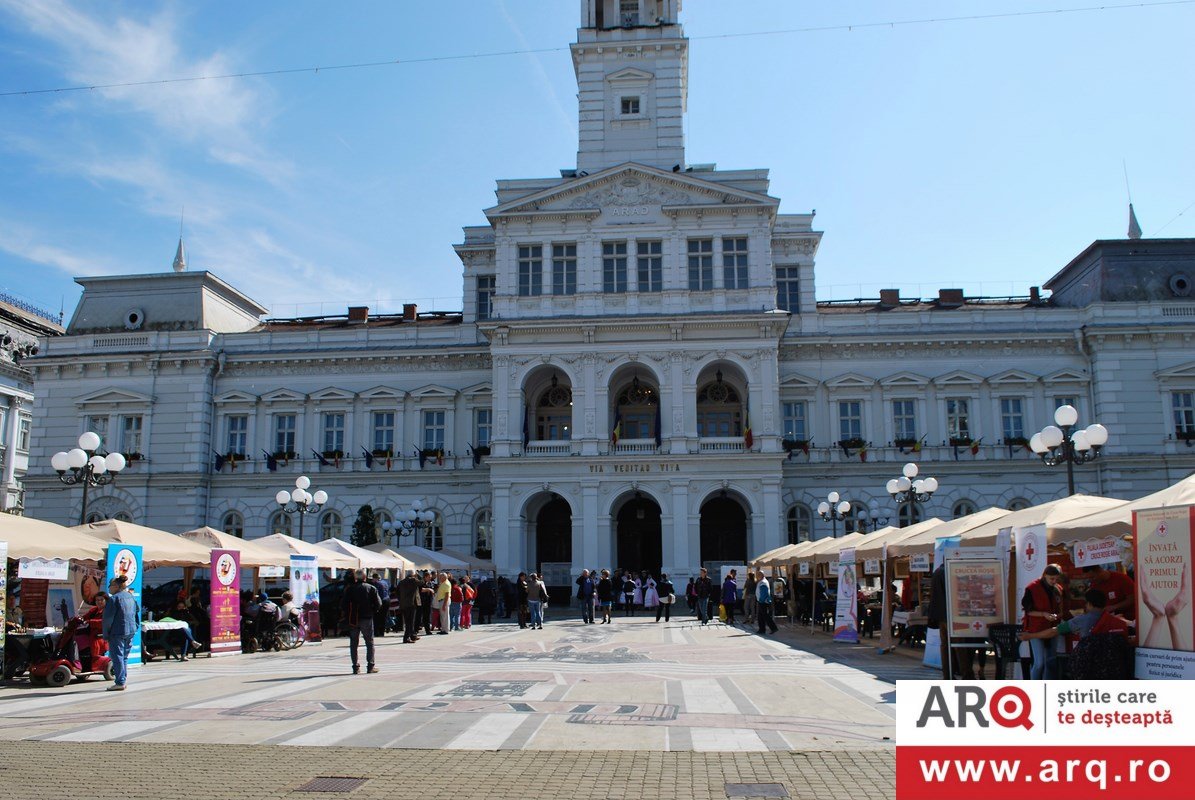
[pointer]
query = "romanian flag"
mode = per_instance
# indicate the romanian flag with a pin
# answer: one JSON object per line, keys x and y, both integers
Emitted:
{"x": 917, "y": 446}
{"x": 748, "y": 437}
{"x": 863, "y": 453}
{"x": 440, "y": 457}
{"x": 387, "y": 460}
{"x": 616, "y": 432}
{"x": 975, "y": 445}
{"x": 232, "y": 461}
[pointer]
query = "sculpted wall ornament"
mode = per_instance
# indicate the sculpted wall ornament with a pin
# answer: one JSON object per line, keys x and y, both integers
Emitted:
{"x": 590, "y": 422}
{"x": 631, "y": 191}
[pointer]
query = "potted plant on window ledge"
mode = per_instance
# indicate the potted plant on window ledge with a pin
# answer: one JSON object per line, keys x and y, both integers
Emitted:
{"x": 483, "y": 552}
{"x": 285, "y": 455}
{"x": 1187, "y": 436}
{"x": 904, "y": 443}
{"x": 1016, "y": 441}
{"x": 131, "y": 457}
{"x": 382, "y": 452}
{"x": 333, "y": 454}
{"x": 793, "y": 445}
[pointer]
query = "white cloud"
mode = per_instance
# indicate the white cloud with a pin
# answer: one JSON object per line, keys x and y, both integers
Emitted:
{"x": 31, "y": 246}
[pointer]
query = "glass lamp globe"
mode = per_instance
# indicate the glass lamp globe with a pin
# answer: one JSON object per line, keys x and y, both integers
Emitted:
{"x": 302, "y": 482}
{"x": 930, "y": 485}
{"x": 1080, "y": 441}
{"x": 115, "y": 462}
{"x": 1097, "y": 434}
{"x": 844, "y": 507}
{"x": 893, "y": 486}
{"x": 1035, "y": 444}
{"x": 823, "y": 508}
{"x": 1066, "y": 415}
{"x": 917, "y": 485}
{"x": 320, "y": 497}
{"x": 76, "y": 459}
{"x": 59, "y": 462}
{"x": 98, "y": 465}
{"x": 903, "y": 484}
{"x": 833, "y": 497}
{"x": 910, "y": 470}
{"x": 428, "y": 516}
{"x": 1051, "y": 436}
{"x": 89, "y": 441}
{"x": 417, "y": 505}
{"x": 283, "y": 497}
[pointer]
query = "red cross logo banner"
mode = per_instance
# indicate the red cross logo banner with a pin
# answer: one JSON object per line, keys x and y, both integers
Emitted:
{"x": 1162, "y": 528}
{"x": 1029, "y": 550}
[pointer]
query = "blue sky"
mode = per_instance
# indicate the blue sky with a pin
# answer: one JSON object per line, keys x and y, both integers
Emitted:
{"x": 982, "y": 154}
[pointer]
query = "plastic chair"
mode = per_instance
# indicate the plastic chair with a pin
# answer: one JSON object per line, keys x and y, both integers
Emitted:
{"x": 1003, "y": 637}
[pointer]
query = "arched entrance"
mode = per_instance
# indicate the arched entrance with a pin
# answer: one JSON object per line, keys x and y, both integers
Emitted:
{"x": 554, "y": 547}
{"x": 723, "y": 532}
{"x": 639, "y": 535}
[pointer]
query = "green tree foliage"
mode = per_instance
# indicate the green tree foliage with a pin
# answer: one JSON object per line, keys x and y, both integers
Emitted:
{"x": 365, "y": 527}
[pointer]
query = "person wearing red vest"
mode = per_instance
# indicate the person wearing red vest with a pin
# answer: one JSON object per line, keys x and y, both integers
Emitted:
{"x": 1042, "y": 605}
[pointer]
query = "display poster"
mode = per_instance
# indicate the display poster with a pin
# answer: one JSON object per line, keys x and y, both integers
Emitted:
{"x": 1029, "y": 543}
{"x": 803, "y": 568}
{"x": 47, "y": 569}
{"x": 271, "y": 572}
{"x": 1096, "y": 551}
{"x": 846, "y": 610}
{"x": 740, "y": 577}
{"x": 871, "y": 566}
{"x": 34, "y": 597}
{"x": 919, "y": 562}
{"x": 3, "y": 596}
{"x": 304, "y": 586}
{"x": 225, "y": 602}
{"x": 975, "y": 596}
{"x": 1163, "y": 538}
{"x": 125, "y": 559}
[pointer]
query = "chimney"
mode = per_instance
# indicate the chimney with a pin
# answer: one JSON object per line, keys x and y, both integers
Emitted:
{"x": 409, "y": 312}
{"x": 359, "y": 314}
{"x": 1034, "y": 295}
{"x": 889, "y": 298}
{"x": 950, "y": 298}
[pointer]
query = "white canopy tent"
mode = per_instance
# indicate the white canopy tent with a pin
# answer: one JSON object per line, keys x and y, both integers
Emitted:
{"x": 431, "y": 559}
{"x": 366, "y": 559}
{"x": 287, "y": 545}
{"x": 159, "y": 548}
{"x": 783, "y": 556}
{"x": 35, "y": 538}
{"x": 874, "y": 546}
{"x": 252, "y": 555}
{"x": 1118, "y": 521}
{"x": 1052, "y": 513}
{"x": 924, "y": 542}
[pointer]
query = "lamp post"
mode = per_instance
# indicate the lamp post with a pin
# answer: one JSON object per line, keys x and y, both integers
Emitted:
{"x": 82, "y": 466}
{"x": 300, "y": 501}
{"x": 832, "y": 509}
{"x": 871, "y": 520}
{"x": 1056, "y": 444}
{"x": 909, "y": 489}
{"x": 410, "y": 522}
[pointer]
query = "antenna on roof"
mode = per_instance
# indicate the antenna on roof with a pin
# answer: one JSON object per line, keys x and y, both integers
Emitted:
{"x": 1134, "y": 228}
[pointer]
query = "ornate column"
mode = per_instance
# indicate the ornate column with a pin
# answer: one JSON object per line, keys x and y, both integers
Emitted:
{"x": 682, "y": 543}
{"x": 587, "y": 539}
{"x": 507, "y": 531}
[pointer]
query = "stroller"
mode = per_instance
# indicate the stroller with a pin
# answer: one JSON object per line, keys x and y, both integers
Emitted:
{"x": 68, "y": 661}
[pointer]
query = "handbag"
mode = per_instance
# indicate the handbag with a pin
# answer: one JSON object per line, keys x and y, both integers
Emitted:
{"x": 668, "y": 599}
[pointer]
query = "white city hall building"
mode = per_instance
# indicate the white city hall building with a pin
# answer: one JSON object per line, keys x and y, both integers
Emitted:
{"x": 641, "y": 376}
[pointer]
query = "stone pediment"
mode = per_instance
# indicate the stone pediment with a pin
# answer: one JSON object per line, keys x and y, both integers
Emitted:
{"x": 618, "y": 190}
{"x": 113, "y": 397}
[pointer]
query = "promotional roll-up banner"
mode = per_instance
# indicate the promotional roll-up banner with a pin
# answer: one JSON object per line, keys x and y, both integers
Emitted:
{"x": 1030, "y": 544}
{"x": 304, "y": 585}
{"x": 225, "y": 602}
{"x": 846, "y": 611}
{"x": 1165, "y": 541}
{"x": 3, "y": 595}
{"x": 125, "y": 559}
{"x": 933, "y": 636}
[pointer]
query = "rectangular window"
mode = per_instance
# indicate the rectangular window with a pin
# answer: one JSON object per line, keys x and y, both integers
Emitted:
{"x": 788, "y": 289}
{"x": 1012, "y": 417}
{"x": 130, "y": 434}
{"x": 1183, "y": 404}
{"x": 614, "y": 267}
{"x": 564, "y": 269}
{"x": 98, "y": 424}
{"x": 485, "y": 296}
{"x": 333, "y": 431}
{"x": 483, "y": 426}
{"x": 236, "y": 434}
{"x": 904, "y": 419}
{"x": 531, "y": 270}
{"x": 25, "y": 422}
{"x": 1059, "y": 402}
{"x": 850, "y": 419}
{"x": 958, "y": 417}
{"x": 284, "y": 433}
{"x": 628, "y": 12}
{"x": 630, "y": 106}
{"x": 433, "y": 430}
{"x": 794, "y": 421}
{"x": 651, "y": 266}
{"x": 383, "y": 431}
{"x": 734, "y": 263}
{"x": 701, "y": 265}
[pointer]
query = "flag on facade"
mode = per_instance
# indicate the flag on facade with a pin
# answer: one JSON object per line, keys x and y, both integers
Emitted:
{"x": 1134, "y": 228}
{"x": 323, "y": 462}
{"x": 219, "y": 461}
{"x": 917, "y": 446}
{"x": 271, "y": 462}
{"x": 473, "y": 452}
{"x": 748, "y": 437}
{"x": 616, "y": 431}
{"x": 863, "y": 453}
{"x": 232, "y": 461}
{"x": 422, "y": 458}
{"x": 387, "y": 460}
{"x": 368, "y": 457}
{"x": 975, "y": 446}
{"x": 659, "y": 433}
{"x": 440, "y": 457}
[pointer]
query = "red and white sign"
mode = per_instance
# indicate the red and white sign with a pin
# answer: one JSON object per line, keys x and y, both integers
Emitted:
{"x": 1096, "y": 551}
{"x": 1163, "y": 542}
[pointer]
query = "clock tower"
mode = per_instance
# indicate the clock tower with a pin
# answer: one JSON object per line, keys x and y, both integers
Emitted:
{"x": 632, "y": 64}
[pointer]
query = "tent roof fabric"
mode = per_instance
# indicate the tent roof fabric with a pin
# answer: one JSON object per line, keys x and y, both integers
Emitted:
{"x": 1051, "y": 513}
{"x": 924, "y": 542}
{"x": 34, "y": 538}
{"x": 1118, "y": 521}
{"x": 874, "y": 546}
{"x": 282, "y": 543}
{"x": 828, "y": 553}
{"x": 485, "y": 565}
{"x": 781, "y": 556}
{"x": 160, "y": 549}
{"x": 252, "y": 555}
{"x": 434, "y": 558}
{"x": 366, "y": 559}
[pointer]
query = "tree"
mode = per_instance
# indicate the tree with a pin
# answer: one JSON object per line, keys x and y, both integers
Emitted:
{"x": 365, "y": 527}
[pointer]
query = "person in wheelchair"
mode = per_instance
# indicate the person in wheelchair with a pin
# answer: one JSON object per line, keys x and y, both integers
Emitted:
{"x": 266, "y": 621}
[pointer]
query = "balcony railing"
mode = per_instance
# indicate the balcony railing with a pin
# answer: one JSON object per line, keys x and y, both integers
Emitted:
{"x": 636, "y": 447}
{"x": 732, "y": 444}
{"x": 548, "y": 448}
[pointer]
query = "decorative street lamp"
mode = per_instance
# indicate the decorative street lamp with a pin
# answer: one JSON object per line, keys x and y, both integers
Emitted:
{"x": 300, "y": 501}
{"x": 410, "y": 521}
{"x": 1057, "y": 445}
{"x": 909, "y": 489}
{"x": 870, "y": 519}
{"x": 832, "y": 509}
{"x": 83, "y": 466}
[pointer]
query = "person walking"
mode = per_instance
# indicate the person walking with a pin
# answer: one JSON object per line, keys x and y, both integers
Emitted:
{"x": 122, "y": 619}
{"x": 360, "y": 607}
{"x": 382, "y": 617}
{"x": 730, "y": 595}
{"x": 427, "y": 594}
{"x": 585, "y": 592}
{"x": 691, "y": 595}
{"x": 651, "y": 594}
{"x": 522, "y": 598}
{"x": 468, "y": 596}
{"x": 763, "y": 605}
{"x": 537, "y": 600}
{"x": 457, "y": 598}
{"x": 628, "y": 595}
{"x": 408, "y": 605}
{"x": 749, "y": 600}
{"x": 703, "y": 590}
{"x": 665, "y": 597}
{"x": 443, "y": 602}
{"x": 487, "y": 601}
{"x": 605, "y": 595}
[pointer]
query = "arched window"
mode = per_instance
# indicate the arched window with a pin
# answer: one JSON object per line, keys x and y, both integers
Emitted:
{"x": 433, "y": 536}
{"x": 233, "y": 524}
{"x": 719, "y": 410}
{"x": 800, "y": 524}
{"x": 637, "y": 410}
{"x": 963, "y": 508}
{"x": 910, "y": 514}
{"x": 483, "y": 534}
{"x": 330, "y": 525}
{"x": 122, "y": 516}
{"x": 554, "y": 413}
{"x": 94, "y": 516}
{"x": 856, "y": 518}
{"x": 279, "y": 523}
{"x": 1018, "y": 504}
{"x": 381, "y": 517}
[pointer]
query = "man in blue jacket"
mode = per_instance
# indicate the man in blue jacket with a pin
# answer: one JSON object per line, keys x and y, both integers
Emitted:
{"x": 121, "y": 618}
{"x": 585, "y": 590}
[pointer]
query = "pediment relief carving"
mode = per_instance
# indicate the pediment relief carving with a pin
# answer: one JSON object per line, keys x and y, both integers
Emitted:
{"x": 113, "y": 397}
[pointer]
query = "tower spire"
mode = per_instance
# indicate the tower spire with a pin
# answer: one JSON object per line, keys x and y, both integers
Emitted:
{"x": 1134, "y": 228}
{"x": 180, "y": 255}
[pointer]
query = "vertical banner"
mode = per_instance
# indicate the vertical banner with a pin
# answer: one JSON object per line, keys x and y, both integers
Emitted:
{"x": 125, "y": 559}
{"x": 225, "y": 602}
{"x": 3, "y": 596}
{"x": 846, "y": 611}
{"x": 304, "y": 585}
{"x": 1030, "y": 544}
{"x": 1165, "y": 626}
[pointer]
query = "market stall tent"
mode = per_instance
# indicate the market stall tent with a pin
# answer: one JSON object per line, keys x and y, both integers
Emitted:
{"x": 475, "y": 563}
{"x": 1051, "y": 514}
{"x": 874, "y": 546}
{"x": 252, "y": 554}
{"x": 35, "y": 538}
{"x": 366, "y": 559}
{"x": 287, "y": 545}
{"x": 159, "y": 548}
{"x": 828, "y": 548}
{"x": 924, "y": 542}
{"x": 784, "y": 555}
{"x": 433, "y": 559}
{"x": 1118, "y": 521}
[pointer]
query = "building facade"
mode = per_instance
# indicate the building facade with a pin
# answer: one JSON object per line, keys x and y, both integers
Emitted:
{"x": 640, "y": 377}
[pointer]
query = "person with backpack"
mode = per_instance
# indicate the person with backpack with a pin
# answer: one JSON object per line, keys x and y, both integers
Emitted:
{"x": 360, "y": 607}
{"x": 537, "y": 600}
{"x": 468, "y": 596}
